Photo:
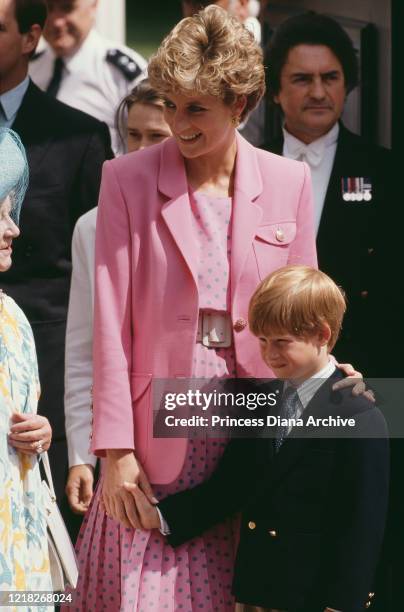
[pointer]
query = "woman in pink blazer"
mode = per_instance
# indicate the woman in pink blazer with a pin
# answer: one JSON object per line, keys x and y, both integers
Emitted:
{"x": 186, "y": 230}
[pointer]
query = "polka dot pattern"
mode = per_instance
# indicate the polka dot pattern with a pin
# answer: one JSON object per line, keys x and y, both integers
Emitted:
{"x": 126, "y": 570}
{"x": 211, "y": 219}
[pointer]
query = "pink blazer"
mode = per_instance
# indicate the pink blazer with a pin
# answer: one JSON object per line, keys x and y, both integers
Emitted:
{"x": 146, "y": 296}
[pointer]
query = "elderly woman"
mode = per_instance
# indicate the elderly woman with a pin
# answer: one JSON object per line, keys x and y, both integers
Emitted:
{"x": 186, "y": 230}
{"x": 24, "y": 560}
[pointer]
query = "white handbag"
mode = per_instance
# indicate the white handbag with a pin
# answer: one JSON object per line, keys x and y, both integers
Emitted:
{"x": 62, "y": 558}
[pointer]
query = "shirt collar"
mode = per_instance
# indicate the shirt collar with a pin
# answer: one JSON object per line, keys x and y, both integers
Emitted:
{"x": 314, "y": 152}
{"x": 12, "y": 99}
{"x": 307, "y": 389}
{"x": 80, "y": 60}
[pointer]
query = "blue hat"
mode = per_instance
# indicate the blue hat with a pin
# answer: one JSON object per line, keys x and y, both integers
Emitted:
{"x": 13, "y": 171}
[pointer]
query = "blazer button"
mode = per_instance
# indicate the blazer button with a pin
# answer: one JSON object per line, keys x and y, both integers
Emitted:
{"x": 279, "y": 235}
{"x": 370, "y": 251}
{"x": 251, "y": 525}
{"x": 28, "y": 251}
{"x": 364, "y": 294}
{"x": 371, "y": 595}
{"x": 368, "y": 604}
{"x": 273, "y": 533}
{"x": 239, "y": 325}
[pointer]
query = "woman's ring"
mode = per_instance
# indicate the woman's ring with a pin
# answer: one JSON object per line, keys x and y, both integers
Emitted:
{"x": 39, "y": 447}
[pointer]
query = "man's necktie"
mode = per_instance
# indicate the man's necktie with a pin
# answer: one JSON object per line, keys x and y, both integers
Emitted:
{"x": 56, "y": 79}
{"x": 289, "y": 408}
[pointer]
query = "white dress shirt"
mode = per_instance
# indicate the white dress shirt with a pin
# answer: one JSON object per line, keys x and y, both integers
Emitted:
{"x": 309, "y": 388}
{"x": 320, "y": 155}
{"x": 91, "y": 82}
{"x": 79, "y": 343}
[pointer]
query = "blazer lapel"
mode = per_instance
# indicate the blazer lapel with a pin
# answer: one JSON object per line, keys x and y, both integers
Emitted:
{"x": 246, "y": 215}
{"x": 31, "y": 125}
{"x": 294, "y": 446}
{"x": 176, "y": 212}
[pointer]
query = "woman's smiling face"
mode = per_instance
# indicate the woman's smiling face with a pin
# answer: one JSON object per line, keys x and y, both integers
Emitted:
{"x": 201, "y": 124}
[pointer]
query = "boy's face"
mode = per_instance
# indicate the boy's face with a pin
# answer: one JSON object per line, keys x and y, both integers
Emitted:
{"x": 294, "y": 357}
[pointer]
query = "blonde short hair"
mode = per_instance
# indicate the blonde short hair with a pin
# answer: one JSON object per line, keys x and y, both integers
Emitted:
{"x": 210, "y": 53}
{"x": 297, "y": 300}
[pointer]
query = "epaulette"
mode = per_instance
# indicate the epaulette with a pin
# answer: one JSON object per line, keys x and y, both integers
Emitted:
{"x": 37, "y": 55}
{"x": 124, "y": 63}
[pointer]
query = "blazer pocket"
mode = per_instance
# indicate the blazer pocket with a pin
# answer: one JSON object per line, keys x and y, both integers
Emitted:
{"x": 141, "y": 390}
{"x": 271, "y": 246}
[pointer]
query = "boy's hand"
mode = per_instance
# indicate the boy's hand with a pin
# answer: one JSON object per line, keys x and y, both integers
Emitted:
{"x": 148, "y": 514}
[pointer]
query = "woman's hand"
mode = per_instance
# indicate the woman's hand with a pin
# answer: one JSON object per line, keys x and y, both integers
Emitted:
{"x": 147, "y": 512}
{"x": 122, "y": 466}
{"x": 353, "y": 379}
{"x": 79, "y": 487}
{"x": 30, "y": 433}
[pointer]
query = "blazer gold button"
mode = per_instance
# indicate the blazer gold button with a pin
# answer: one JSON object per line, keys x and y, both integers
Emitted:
{"x": 273, "y": 533}
{"x": 240, "y": 324}
{"x": 251, "y": 525}
{"x": 371, "y": 595}
{"x": 368, "y": 604}
{"x": 364, "y": 294}
{"x": 279, "y": 235}
{"x": 370, "y": 251}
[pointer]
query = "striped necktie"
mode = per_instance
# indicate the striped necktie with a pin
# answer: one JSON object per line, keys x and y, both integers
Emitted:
{"x": 289, "y": 408}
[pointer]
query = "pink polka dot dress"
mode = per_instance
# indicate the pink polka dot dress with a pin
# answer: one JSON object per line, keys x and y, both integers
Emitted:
{"x": 133, "y": 570}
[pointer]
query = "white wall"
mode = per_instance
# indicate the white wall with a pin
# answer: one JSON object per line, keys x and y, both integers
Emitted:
{"x": 111, "y": 19}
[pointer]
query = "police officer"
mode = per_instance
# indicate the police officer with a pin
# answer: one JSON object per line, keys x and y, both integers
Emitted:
{"x": 79, "y": 67}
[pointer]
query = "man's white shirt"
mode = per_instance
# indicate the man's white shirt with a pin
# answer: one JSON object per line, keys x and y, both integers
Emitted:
{"x": 319, "y": 155}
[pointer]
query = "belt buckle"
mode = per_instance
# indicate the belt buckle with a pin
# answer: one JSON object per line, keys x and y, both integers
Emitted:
{"x": 216, "y": 329}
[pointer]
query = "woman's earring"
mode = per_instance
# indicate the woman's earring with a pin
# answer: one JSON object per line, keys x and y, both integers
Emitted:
{"x": 235, "y": 121}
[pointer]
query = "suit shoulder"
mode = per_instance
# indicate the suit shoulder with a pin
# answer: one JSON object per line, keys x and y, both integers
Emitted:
{"x": 63, "y": 116}
{"x": 86, "y": 222}
{"x": 78, "y": 118}
{"x": 284, "y": 164}
{"x": 361, "y": 146}
{"x": 142, "y": 163}
{"x": 367, "y": 415}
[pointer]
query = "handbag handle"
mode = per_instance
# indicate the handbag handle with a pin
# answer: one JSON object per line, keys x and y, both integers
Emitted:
{"x": 48, "y": 473}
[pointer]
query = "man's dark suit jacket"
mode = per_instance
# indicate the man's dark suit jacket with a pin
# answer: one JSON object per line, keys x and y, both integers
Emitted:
{"x": 358, "y": 246}
{"x": 313, "y": 514}
{"x": 66, "y": 149}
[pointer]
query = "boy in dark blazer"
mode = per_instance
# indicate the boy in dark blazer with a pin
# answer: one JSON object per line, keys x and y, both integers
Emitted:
{"x": 313, "y": 506}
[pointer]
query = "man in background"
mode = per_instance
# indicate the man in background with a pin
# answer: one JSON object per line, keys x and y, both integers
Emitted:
{"x": 65, "y": 149}
{"x": 81, "y": 68}
{"x": 313, "y": 67}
